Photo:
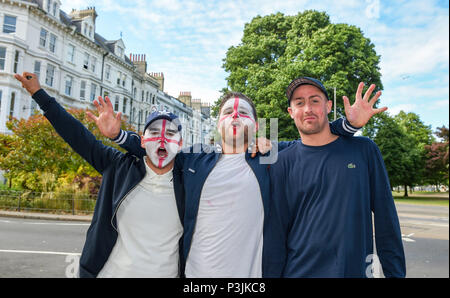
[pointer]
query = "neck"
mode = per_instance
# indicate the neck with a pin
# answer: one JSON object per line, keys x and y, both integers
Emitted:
{"x": 159, "y": 171}
{"x": 233, "y": 149}
{"x": 318, "y": 139}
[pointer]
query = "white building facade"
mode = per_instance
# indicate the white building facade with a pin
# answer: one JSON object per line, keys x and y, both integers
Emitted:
{"x": 76, "y": 65}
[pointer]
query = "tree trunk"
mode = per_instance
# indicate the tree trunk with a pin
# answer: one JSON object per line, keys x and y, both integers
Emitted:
{"x": 406, "y": 191}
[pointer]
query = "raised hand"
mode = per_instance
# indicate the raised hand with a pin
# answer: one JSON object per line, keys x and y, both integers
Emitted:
{"x": 29, "y": 81}
{"x": 107, "y": 122}
{"x": 262, "y": 145}
{"x": 362, "y": 109}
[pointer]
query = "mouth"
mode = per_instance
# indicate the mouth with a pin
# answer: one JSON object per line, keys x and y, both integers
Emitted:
{"x": 310, "y": 118}
{"x": 162, "y": 153}
{"x": 236, "y": 124}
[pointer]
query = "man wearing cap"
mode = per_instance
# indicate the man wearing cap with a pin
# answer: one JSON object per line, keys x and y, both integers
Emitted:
{"x": 227, "y": 194}
{"x": 325, "y": 189}
{"x": 136, "y": 229}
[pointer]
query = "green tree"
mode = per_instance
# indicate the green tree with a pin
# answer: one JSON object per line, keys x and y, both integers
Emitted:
{"x": 402, "y": 140}
{"x": 35, "y": 157}
{"x": 276, "y": 48}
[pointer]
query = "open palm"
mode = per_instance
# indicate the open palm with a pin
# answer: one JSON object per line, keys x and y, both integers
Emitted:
{"x": 362, "y": 109}
{"x": 107, "y": 121}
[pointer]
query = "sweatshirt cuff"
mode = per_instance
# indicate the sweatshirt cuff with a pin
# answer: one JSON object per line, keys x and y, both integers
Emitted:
{"x": 42, "y": 99}
{"x": 121, "y": 138}
{"x": 348, "y": 127}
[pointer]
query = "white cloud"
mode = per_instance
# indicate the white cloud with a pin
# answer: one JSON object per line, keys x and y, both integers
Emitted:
{"x": 409, "y": 107}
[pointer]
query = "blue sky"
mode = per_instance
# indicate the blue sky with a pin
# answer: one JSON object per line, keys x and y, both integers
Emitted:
{"x": 187, "y": 40}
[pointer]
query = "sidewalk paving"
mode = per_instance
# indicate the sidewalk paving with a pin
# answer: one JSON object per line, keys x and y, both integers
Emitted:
{"x": 47, "y": 216}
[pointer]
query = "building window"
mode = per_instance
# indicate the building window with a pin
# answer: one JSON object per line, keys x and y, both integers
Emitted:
{"x": 16, "y": 61}
{"x": 119, "y": 52}
{"x": 52, "y": 43}
{"x": 37, "y": 68}
{"x": 54, "y": 8}
{"x": 68, "y": 89}
{"x": 90, "y": 31}
{"x": 107, "y": 71}
{"x": 93, "y": 91}
{"x": 105, "y": 94}
{"x": 9, "y": 24}
{"x": 11, "y": 107}
{"x": 124, "y": 80}
{"x": 50, "y": 75}
{"x": 86, "y": 61}
{"x": 48, "y": 6}
{"x": 94, "y": 62}
{"x": 83, "y": 90}
{"x": 1, "y": 101}
{"x": 119, "y": 75}
{"x": 124, "y": 108}
{"x": 116, "y": 103}
{"x": 142, "y": 95}
{"x": 70, "y": 53}
{"x": 2, "y": 58}
{"x": 85, "y": 28}
{"x": 43, "y": 38}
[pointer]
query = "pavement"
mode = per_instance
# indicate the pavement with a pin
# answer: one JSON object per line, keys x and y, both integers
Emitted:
{"x": 46, "y": 216}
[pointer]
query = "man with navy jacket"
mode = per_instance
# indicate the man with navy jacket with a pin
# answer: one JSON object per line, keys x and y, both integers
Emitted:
{"x": 324, "y": 190}
{"x": 136, "y": 229}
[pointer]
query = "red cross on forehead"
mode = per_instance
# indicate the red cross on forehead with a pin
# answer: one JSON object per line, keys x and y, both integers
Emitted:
{"x": 236, "y": 113}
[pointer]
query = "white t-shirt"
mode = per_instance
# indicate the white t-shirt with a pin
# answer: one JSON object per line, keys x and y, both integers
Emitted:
{"x": 149, "y": 229}
{"x": 228, "y": 235}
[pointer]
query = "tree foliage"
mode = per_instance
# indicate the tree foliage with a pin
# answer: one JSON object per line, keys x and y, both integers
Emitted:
{"x": 403, "y": 141}
{"x": 437, "y": 159}
{"x": 276, "y": 48}
{"x": 35, "y": 157}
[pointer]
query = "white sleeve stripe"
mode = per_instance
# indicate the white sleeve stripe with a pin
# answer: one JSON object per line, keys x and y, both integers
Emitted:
{"x": 348, "y": 128}
{"x": 122, "y": 137}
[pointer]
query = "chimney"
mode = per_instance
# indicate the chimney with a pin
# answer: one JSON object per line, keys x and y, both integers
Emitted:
{"x": 139, "y": 63}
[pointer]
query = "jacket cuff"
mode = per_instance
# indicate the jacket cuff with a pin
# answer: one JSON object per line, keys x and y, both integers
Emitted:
{"x": 42, "y": 99}
{"x": 121, "y": 138}
{"x": 348, "y": 127}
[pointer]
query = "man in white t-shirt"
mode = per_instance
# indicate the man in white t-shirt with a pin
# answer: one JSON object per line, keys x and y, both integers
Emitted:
{"x": 137, "y": 223}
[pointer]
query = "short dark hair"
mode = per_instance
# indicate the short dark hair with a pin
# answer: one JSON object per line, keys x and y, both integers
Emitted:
{"x": 232, "y": 94}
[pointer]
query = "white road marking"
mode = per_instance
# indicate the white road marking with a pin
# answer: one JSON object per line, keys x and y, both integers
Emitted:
{"x": 407, "y": 239}
{"x": 41, "y": 252}
{"x": 56, "y": 224}
{"x": 46, "y": 223}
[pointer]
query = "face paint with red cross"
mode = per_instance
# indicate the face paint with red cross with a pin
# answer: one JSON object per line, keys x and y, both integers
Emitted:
{"x": 162, "y": 141}
{"x": 236, "y": 113}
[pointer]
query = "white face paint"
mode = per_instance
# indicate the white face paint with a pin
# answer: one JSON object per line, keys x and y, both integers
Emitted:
{"x": 162, "y": 141}
{"x": 236, "y": 114}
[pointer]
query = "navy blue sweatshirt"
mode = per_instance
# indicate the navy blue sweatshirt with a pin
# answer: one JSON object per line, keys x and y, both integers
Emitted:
{"x": 323, "y": 199}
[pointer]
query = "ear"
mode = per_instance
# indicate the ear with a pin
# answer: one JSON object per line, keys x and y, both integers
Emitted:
{"x": 329, "y": 106}
{"x": 290, "y": 111}
{"x": 142, "y": 142}
{"x": 181, "y": 144}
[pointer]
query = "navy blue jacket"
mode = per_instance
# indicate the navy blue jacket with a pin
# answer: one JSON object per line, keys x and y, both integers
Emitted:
{"x": 120, "y": 174}
{"x": 195, "y": 164}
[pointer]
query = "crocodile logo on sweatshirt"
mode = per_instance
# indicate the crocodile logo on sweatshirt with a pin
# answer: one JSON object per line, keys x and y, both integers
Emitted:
{"x": 351, "y": 166}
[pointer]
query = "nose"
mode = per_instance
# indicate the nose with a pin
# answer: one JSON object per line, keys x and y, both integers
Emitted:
{"x": 307, "y": 108}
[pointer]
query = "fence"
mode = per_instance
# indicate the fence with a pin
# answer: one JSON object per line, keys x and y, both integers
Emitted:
{"x": 51, "y": 202}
